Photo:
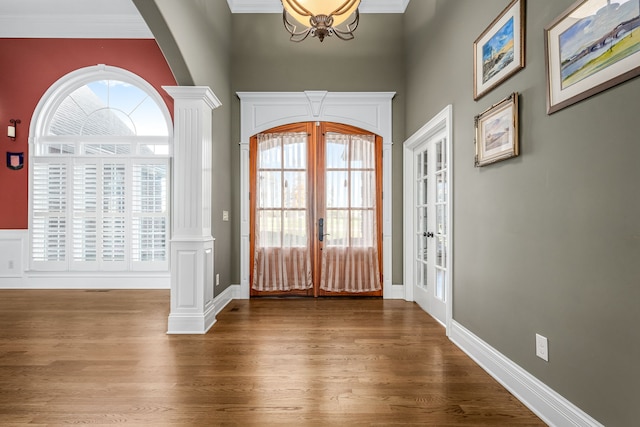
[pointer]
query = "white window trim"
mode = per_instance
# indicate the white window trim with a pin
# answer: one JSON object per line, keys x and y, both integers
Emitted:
{"x": 370, "y": 111}
{"x": 41, "y": 119}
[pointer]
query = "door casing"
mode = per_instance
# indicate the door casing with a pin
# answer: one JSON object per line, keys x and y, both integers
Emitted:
{"x": 441, "y": 123}
{"x": 370, "y": 111}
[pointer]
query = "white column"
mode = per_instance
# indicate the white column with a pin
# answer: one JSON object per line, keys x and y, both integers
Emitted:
{"x": 192, "y": 305}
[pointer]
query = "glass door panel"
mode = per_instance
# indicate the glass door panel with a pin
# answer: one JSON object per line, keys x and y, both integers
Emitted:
{"x": 441, "y": 206}
{"x": 431, "y": 204}
{"x": 422, "y": 215}
{"x": 348, "y": 188}
{"x": 281, "y": 244}
{"x": 316, "y": 221}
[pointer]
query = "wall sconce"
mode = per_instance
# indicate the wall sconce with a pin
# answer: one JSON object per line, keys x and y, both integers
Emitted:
{"x": 11, "y": 130}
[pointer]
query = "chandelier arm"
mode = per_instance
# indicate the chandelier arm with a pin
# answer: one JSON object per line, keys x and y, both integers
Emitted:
{"x": 297, "y": 38}
{"x": 351, "y": 27}
{"x": 342, "y": 35}
{"x": 298, "y": 8}
{"x": 344, "y": 8}
{"x": 291, "y": 29}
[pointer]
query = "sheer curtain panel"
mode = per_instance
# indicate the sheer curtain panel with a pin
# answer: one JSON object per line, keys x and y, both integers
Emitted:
{"x": 282, "y": 256}
{"x": 350, "y": 259}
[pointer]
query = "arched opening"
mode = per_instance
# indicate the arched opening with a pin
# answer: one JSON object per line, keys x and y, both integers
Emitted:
{"x": 316, "y": 226}
{"x": 100, "y": 175}
{"x": 370, "y": 111}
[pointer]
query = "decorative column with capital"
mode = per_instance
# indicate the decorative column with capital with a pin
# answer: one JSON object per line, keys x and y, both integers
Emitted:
{"x": 192, "y": 244}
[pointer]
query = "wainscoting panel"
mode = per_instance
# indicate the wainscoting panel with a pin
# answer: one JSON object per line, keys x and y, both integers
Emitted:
{"x": 12, "y": 244}
{"x": 15, "y": 273}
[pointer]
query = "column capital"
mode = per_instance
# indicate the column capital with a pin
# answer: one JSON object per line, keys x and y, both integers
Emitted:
{"x": 194, "y": 93}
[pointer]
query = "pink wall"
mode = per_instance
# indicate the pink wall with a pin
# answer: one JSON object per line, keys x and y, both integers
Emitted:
{"x": 28, "y": 67}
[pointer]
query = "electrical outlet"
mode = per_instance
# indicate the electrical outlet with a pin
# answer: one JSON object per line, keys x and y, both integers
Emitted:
{"x": 217, "y": 279}
{"x": 225, "y": 215}
{"x": 542, "y": 347}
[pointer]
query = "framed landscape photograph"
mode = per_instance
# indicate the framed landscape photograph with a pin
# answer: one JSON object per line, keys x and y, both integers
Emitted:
{"x": 499, "y": 51}
{"x": 497, "y": 132}
{"x": 592, "y": 46}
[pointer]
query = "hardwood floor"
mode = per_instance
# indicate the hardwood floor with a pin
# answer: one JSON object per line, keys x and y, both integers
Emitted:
{"x": 82, "y": 357}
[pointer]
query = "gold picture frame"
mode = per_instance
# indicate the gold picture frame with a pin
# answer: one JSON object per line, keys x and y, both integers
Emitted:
{"x": 498, "y": 52}
{"x": 592, "y": 46}
{"x": 497, "y": 132}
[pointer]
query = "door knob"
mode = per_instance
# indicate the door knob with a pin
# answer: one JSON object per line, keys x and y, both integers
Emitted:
{"x": 428, "y": 234}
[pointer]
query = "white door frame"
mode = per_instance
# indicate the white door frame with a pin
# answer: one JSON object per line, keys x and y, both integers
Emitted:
{"x": 442, "y": 122}
{"x": 370, "y": 111}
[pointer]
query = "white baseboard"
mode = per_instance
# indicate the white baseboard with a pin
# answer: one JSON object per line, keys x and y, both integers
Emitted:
{"x": 394, "y": 292}
{"x": 550, "y": 406}
{"x": 12, "y": 283}
{"x": 192, "y": 324}
{"x": 226, "y": 297}
{"x": 104, "y": 280}
{"x": 197, "y": 324}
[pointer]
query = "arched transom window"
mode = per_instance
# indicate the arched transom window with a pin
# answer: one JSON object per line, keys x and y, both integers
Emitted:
{"x": 100, "y": 175}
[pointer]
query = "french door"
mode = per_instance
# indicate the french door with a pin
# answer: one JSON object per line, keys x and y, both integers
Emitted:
{"x": 316, "y": 222}
{"x": 431, "y": 230}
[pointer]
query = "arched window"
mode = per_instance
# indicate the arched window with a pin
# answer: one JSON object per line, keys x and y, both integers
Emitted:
{"x": 100, "y": 174}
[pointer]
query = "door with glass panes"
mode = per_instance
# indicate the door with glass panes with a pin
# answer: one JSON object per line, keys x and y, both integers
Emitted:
{"x": 316, "y": 223}
{"x": 431, "y": 228}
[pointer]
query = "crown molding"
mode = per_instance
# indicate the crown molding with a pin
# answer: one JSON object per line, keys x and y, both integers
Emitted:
{"x": 133, "y": 26}
{"x": 275, "y": 6}
{"x": 74, "y": 26}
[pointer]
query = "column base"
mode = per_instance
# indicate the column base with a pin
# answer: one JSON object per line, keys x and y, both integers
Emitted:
{"x": 192, "y": 277}
{"x": 182, "y": 323}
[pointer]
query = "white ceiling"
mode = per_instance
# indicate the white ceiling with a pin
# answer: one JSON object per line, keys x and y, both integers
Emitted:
{"x": 118, "y": 18}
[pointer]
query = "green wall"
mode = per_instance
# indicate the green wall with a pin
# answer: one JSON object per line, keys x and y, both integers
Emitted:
{"x": 263, "y": 59}
{"x": 194, "y": 36}
{"x": 548, "y": 242}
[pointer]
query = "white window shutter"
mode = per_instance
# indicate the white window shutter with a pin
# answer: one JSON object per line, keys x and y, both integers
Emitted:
{"x": 49, "y": 229}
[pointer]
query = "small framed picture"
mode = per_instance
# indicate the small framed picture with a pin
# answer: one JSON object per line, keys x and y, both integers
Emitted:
{"x": 497, "y": 132}
{"x": 592, "y": 46}
{"x": 15, "y": 161}
{"x": 499, "y": 51}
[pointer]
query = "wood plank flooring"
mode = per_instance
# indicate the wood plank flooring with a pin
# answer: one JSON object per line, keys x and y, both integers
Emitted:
{"x": 82, "y": 357}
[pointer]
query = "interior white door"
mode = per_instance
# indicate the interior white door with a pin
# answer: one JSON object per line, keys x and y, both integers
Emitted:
{"x": 431, "y": 228}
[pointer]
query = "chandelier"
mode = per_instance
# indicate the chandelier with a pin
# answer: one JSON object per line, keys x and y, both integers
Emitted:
{"x": 320, "y": 18}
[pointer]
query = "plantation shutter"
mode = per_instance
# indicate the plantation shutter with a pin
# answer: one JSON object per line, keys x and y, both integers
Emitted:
{"x": 100, "y": 187}
{"x": 149, "y": 214}
{"x": 49, "y": 228}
